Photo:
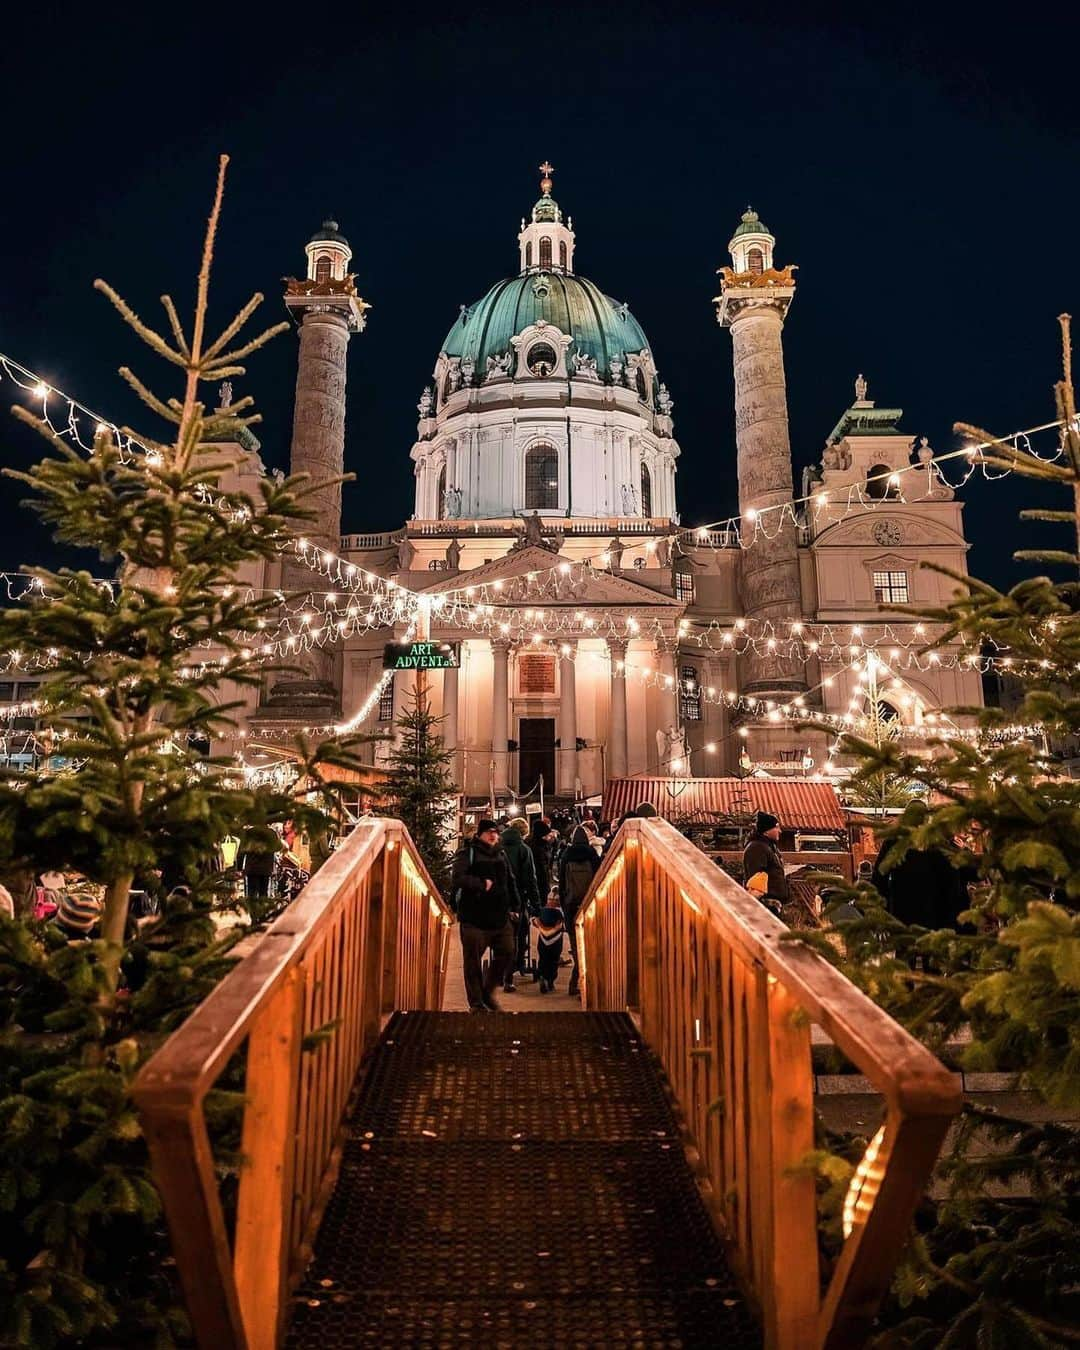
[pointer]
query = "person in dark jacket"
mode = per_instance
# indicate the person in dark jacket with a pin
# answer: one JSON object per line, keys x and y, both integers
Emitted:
{"x": 485, "y": 895}
{"x": 762, "y": 857}
{"x": 541, "y": 841}
{"x": 576, "y": 870}
{"x": 524, "y": 869}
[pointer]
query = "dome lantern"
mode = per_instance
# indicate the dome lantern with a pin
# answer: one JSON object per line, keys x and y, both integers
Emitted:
{"x": 546, "y": 240}
{"x": 328, "y": 253}
{"x": 751, "y": 246}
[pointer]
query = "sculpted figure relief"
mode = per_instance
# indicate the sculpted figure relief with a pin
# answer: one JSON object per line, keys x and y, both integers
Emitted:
{"x": 498, "y": 367}
{"x": 585, "y": 366}
{"x": 427, "y": 402}
{"x": 629, "y": 500}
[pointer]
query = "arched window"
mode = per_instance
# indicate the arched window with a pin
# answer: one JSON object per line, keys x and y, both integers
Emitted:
{"x": 886, "y": 712}
{"x": 542, "y": 479}
{"x": 877, "y": 483}
{"x": 756, "y": 261}
{"x": 646, "y": 490}
{"x": 322, "y": 269}
{"x": 440, "y": 495}
{"x": 562, "y": 253}
{"x": 641, "y": 386}
{"x": 528, "y": 254}
{"x": 541, "y": 358}
{"x": 545, "y": 252}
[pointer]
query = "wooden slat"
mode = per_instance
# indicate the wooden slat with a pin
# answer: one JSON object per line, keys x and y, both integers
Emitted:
{"x": 264, "y": 1203}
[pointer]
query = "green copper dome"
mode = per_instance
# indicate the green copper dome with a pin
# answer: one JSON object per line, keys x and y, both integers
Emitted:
{"x": 751, "y": 225}
{"x": 601, "y": 327}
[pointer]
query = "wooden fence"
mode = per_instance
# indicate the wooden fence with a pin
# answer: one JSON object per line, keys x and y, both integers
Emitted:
{"x": 726, "y": 1004}
{"x": 366, "y": 936}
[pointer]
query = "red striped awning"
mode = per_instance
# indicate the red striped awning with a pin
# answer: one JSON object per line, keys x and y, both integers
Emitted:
{"x": 796, "y": 804}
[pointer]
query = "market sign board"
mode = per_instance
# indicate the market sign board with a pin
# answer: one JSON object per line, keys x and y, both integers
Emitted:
{"x": 422, "y": 656}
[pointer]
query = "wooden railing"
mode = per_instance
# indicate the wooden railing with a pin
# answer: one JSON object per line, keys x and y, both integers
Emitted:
{"x": 367, "y": 935}
{"x": 726, "y": 1003}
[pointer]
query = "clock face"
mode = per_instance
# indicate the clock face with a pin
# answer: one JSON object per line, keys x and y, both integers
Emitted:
{"x": 888, "y": 532}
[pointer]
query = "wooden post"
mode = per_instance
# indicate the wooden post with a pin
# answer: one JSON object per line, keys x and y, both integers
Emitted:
{"x": 184, "y": 1174}
{"x": 792, "y": 1305}
{"x": 264, "y": 1203}
{"x": 649, "y": 961}
{"x": 371, "y": 971}
{"x": 391, "y": 884}
{"x": 631, "y": 870}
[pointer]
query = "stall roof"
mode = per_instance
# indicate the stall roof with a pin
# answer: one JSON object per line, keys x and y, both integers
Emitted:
{"x": 798, "y": 805}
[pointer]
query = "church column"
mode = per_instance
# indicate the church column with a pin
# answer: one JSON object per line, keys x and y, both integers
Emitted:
{"x": 667, "y": 668}
{"x": 567, "y": 767}
{"x": 500, "y": 711}
{"x": 450, "y": 719}
{"x": 755, "y": 313}
{"x": 616, "y": 755}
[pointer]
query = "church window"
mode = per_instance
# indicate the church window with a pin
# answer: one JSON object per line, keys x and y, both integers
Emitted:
{"x": 642, "y": 387}
{"x": 528, "y": 254}
{"x": 541, "y": 359}
{"x": 639, "y": 564}
{"x": 562, "y": 253}
{"x": 438, "y": 565}
{"x": 446, "y": 389}
{"x": 891, "y": 588}
{"x": 755, "y": 260}
{"x": 689, "y": 695}
{"x": 386, "y": 702}
{"x": 646, "y": 491}
{"x": 545, "y": 252}
{"x": 322, "y": 269}
{"x": 684, "y": 587}
{"x": 878, "y": 484}
{"x": 886, "y": 712}
{"x": 440, "y": 495}
{"x": 541, "y": 479}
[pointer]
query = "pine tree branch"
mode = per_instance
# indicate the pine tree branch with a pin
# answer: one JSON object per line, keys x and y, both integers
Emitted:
{"x": 148, "y": 335}
{"x": 177, "y": 329}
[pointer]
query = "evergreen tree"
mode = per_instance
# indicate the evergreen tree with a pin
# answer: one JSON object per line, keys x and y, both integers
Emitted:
{"x": 997, "y": 1256}
{"x": 419, "y": 790}
{"x": 136, "y": 669}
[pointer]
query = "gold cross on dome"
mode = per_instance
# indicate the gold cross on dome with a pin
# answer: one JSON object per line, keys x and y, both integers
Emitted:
{"x": 547, "y": 169}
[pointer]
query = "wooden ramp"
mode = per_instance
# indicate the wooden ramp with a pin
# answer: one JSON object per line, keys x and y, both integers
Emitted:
{"x": 516, "y": 1181}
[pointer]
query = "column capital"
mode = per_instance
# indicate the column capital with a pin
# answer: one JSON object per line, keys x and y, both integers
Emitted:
{"x": 617, "y": 647}
{"x": 501, "y": 644}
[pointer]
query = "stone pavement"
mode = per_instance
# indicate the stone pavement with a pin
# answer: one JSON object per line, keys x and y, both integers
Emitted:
{"x": 527, "y": 999}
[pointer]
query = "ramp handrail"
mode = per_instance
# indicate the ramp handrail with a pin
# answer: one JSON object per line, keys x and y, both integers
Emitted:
{"x": 367, "y": 935}
{"x": 726, "y": 1004}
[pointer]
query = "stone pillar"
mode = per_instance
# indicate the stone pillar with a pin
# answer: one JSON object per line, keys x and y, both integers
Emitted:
{"x": 616, "y": 755}
{"x": 450, "y": 719}
{"x": 318, "y": 449}
{"x": 500, "y": 709}
{"x": 566, "y": 774}
{"x": 668, "y": 669}
{"x": 770, "y": 565}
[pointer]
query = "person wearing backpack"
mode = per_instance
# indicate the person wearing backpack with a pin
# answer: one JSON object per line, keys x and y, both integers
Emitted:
{"x": 485, "y": 896}
{"x": 577, "y": 868}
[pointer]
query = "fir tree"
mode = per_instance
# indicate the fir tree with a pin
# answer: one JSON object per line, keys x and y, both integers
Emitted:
{"x": 997, "y": 1257}
{"x": 136, "y": 669}
{"x": 419, "y": 790}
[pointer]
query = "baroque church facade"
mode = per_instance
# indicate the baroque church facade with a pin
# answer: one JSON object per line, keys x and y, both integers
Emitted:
{"x": 595, "y": 635}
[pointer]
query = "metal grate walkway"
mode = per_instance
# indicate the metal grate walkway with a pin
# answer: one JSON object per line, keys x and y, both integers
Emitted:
{"x": 516, "y": 1181}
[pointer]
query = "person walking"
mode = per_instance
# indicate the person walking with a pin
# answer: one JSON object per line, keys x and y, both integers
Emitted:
{"x": 524, "y": 870}
{"x": 541, "y": 841}
{"x": 485, "y": 895}
{"x": 763, "y": 867}
{"x": 550, "y": 928}
{"x": 576, "y": 870}
{"x": 923, "y": 889}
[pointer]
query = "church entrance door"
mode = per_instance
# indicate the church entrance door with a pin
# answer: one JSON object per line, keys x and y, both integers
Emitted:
{"x": 536, "y": 753}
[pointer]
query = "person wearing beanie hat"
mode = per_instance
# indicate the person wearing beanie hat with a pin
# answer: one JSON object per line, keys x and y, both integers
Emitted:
{"x": 524, "y": 870}
{"x": 77, "y": 913}
{"x": 763, "y": 866}
{"x": 485, "y": 896}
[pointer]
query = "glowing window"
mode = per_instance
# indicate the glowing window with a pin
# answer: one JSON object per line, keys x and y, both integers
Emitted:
{"x": 891, "y": 588}
{"x": 545, "y": 252}
{"x": 646, "y": 491}
{"x": 386, "y": 702}
{"x": 689, "y": 695}
{"x": 528, "y": 254}
{"x": 756, "y": 261}
{"x": 684, "y": 587}
{"x": 322, "y": 269}
{"x": 562, "y": 252}
{"x": 541, "y": 359}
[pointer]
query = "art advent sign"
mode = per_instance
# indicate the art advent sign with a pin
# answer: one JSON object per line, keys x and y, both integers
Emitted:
{"x": 422, "y": 656}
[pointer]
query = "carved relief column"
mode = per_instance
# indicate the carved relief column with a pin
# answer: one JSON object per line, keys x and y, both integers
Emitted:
{"x": 567, "y": 766}
{"x": 500, "y": 709}
{"x": 754, "y": 304}
{"x": 616, "y": 756}
{"x": 450, "y": 719}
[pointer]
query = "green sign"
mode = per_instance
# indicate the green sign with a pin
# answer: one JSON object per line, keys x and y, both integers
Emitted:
{"x": 421, "y": 656}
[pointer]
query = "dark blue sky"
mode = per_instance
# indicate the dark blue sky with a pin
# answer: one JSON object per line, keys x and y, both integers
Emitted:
{"x": 921, "y": 171}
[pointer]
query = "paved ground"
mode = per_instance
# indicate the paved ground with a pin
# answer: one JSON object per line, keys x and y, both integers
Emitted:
{"x": 527, "y": 999}
{"x": 516, "y": 1183}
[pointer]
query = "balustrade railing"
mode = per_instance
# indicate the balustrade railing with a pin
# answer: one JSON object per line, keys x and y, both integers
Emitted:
{"x": 726, "y": 1002}
{"x": 367, "y": 935}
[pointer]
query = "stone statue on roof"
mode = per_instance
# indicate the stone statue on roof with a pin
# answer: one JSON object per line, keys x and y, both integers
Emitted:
{"x": 860, "y": 389}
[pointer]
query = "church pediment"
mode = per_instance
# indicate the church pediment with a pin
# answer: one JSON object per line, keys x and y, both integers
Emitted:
{"x": 539, "y": 576}
{"x": 887, "y": 529}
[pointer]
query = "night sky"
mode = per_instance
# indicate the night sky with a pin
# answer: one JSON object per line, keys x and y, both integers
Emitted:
{"x": 922, "y": 174}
